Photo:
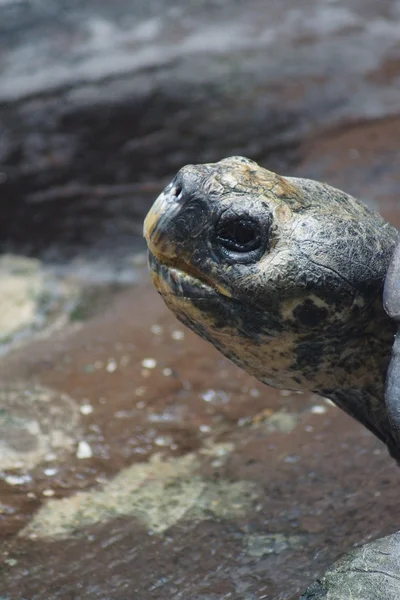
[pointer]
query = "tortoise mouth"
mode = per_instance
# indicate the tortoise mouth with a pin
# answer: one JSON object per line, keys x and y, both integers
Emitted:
{"x": 175, "y": 276}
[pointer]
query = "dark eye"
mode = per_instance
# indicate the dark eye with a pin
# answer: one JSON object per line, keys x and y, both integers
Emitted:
{"x": 240, "y": 235}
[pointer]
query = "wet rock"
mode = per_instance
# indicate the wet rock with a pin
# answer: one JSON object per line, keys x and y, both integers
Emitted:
{"x": 367, "y": 573}
{"x": 22, "y": 284}
{"x": 115, "y": 97}
{"x": 274, "y": 543}
{"x": 32, "y": 299}
{"x": 36, "y": 424}
{"x": 159, "y": 493}
{"x": 282, "y": 421}
{"x": 100, "y": 104}
{"x": 303, "y": 495}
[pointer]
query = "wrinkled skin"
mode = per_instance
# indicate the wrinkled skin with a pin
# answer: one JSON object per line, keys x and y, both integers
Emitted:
{"x": 285, "y": 277}
{"x": 302, "y": 310}
{"x": 391, "y": 302}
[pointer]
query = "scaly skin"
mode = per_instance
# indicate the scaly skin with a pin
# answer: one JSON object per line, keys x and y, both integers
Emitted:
{"x": 304, "y": 310}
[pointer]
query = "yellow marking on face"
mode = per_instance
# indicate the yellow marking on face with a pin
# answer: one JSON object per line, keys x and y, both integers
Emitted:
{"x": 283, "y": 188}
{"x": 272, "y": 359}
{"x": 282, "y": 213}
{"x": 151, "y": 221}
{"x": 288, "y": 306}
{"x": 183, "y": 269}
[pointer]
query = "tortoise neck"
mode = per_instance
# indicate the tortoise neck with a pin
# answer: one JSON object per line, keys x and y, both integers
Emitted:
{"x": 362, "y": 369}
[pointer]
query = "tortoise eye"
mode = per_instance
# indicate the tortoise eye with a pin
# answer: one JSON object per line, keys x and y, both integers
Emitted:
{"x": 240, "y": 235}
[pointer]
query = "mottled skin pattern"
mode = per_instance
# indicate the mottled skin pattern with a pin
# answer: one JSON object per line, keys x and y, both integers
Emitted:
{"x": 303, "y": 311}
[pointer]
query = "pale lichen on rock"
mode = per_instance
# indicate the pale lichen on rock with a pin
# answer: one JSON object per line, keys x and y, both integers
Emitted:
{"x": 160, "y": 493}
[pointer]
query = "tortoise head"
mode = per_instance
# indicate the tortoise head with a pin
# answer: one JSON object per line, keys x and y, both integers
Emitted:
{"x": 284, "y": 276}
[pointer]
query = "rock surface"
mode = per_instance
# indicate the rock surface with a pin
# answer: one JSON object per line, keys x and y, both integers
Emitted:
{"x": 367, "y": 573}
{"x": 101, "y": 102}
{"x": 181, "y": 477}
{"x": 238, "y": 490}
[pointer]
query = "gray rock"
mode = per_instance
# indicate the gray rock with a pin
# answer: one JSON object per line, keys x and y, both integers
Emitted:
{"x": 101, "y": 101}
{"x": 371, "y": 572}
{"x": 33, "y": 300}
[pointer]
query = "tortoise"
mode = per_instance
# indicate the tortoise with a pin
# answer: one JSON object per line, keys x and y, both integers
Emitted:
{"x": 298, "y": 283}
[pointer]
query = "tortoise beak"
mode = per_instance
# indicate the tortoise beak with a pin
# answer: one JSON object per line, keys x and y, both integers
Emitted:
{"x": 169, "y": 230}
{"x": 158, "y": 224}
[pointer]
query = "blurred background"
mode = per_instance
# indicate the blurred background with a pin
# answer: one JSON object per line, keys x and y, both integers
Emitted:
{"x": 134, "y": 460}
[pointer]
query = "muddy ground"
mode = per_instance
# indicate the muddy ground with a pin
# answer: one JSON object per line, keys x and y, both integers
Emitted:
{"x": 136, "y": 462}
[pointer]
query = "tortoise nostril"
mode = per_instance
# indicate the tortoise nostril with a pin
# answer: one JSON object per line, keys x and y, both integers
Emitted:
{"x": 176, "y": 192}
